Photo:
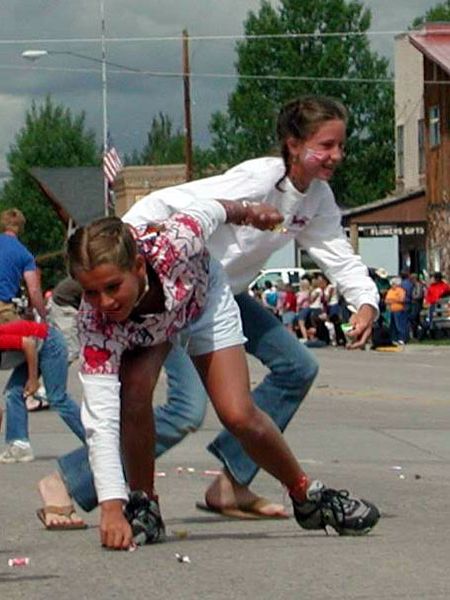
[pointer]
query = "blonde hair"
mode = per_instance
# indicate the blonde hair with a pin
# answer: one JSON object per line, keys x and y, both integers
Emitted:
{"x": 13, "y": 220}
{"x": 105, "y": 241}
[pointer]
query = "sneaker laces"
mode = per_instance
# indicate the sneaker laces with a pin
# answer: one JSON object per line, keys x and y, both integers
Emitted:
{"x": 339, "y": 502}
{"x": 144, "y": 516}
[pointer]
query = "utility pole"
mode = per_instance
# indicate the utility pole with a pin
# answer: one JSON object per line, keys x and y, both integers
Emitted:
{"x": 187, "y": 107}
{"x": 104, "y": 107}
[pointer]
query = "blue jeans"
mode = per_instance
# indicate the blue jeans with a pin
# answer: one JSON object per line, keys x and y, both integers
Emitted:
{"x": 399, "y": 326}
{"x": 292, "y": 371}
{"x": 53, "y": 367}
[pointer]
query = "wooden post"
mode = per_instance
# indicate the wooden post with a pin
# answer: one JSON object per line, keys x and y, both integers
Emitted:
{"x": 354, "y": 240}
{"x": 187, "y": 107}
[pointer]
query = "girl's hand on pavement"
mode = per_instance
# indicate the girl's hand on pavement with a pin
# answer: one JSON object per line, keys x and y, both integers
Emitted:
{"x": 115, "y": 531}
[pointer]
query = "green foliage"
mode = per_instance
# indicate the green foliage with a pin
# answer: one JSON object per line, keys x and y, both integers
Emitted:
{"x": 248, "y": 128}
{"x": 50, "y": 137}
{"x": 163, "y": 147}
{"x": 440, "y": 12}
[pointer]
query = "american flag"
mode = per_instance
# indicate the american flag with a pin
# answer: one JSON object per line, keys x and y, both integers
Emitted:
{"x": 111, "y": 164}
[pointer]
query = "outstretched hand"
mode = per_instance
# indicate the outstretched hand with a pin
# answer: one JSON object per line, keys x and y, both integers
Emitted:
{"x": 262, "y": 216}
{"x": 362, "y": 322}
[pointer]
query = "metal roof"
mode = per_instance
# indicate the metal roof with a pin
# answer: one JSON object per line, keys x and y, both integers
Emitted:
{"x": 433, "y": 40}
{"x": 76, "y": 192}
{"x": 383, "y": 203}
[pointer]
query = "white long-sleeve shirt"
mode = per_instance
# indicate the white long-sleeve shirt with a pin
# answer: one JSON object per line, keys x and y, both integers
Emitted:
{"x": 312, "y": 218}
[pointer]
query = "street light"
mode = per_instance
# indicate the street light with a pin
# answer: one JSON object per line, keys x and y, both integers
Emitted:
{"x": 34, "y": 55}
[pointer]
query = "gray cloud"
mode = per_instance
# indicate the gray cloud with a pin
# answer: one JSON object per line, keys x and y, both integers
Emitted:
{"x": 133, "y": 100}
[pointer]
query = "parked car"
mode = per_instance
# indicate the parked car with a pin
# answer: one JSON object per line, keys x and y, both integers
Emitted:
{"x": 286, "y": 275}
{"x": 439, "y": 327}
{"x": 441, "y": 317}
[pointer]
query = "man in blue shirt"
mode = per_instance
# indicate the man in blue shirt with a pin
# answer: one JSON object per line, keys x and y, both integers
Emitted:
{"x": 16, "y": 263}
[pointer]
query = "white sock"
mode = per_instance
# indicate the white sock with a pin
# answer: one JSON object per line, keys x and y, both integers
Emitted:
{"x": 22, "y": 444}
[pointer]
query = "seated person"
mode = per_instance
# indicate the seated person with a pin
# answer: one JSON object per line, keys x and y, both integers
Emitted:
{"x": 53, "y": 366}
{"x": 21, "y": 336}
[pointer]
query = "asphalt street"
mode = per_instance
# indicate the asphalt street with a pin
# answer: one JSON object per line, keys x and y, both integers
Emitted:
{"x": 377, "y": 424}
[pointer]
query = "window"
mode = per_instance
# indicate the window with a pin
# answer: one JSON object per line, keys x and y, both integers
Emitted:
{"x": 400, "y": 151}
{"x": 435, "y": 130}
{"x": 421, "y": 145}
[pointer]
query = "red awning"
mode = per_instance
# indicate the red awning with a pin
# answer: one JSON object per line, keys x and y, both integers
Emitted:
{"x": 433, "y": 40}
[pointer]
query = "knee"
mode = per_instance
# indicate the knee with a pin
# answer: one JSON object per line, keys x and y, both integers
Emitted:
{"x": 194, "y": 416}
{"x": 297, "y": 372}
{"x": 135, "y": 407}
{"x": 185, "y": 407}
{"x": 310, "y": 369}
{"x": 136, "y": 397}
{"x": 241, "y": 421}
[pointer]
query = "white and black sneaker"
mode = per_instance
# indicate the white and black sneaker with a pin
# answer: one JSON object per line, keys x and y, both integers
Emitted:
{"x": 344, "y": 513}
{"x": 17, "y": 452}
{"x": 144, "y": 516}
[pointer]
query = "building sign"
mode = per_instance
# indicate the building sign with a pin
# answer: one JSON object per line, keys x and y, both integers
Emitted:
{"x": 388, "y": 230}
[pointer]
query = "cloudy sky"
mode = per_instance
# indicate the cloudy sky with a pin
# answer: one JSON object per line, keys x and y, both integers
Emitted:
{"x": 134, "y": 32}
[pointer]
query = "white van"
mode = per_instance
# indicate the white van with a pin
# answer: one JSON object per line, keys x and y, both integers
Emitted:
{"x": 291, "y": 275}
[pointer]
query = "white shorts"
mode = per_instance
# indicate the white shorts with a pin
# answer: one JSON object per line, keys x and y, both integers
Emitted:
{"x": 219, "y": 325}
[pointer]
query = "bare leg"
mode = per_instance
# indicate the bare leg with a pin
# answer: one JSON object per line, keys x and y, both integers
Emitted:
{"x": 138, "y": 374}
{"x": 54, "y": 493}
{"x": 303, "y": 331}
{"x": 234, "y": 406}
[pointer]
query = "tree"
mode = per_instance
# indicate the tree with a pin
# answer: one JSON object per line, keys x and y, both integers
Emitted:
{"x": 50, "y": 137}
{"x": 326, "y": 62}
{"x": 440, "y": 12}
{"x": 163, "y": 147}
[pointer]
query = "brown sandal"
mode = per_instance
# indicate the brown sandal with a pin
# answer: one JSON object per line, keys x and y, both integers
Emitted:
{"x": 65, "y": 511}
{"x": 250, "y": 511}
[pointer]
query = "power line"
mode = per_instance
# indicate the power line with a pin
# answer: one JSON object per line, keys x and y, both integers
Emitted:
{"x": 178, "y": 38}
{"x": 193, "y": 74}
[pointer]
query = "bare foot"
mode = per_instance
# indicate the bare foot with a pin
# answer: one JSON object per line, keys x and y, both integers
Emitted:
{"x": 54, "y": 493}
{"x": 225, "y": 492}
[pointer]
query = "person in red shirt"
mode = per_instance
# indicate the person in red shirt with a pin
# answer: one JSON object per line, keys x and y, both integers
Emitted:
{"x": 289, "y": 307}
{"x": 52, "y": 364}
{"x": 21, "y": 336}
{"x": 437, "y": 288}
